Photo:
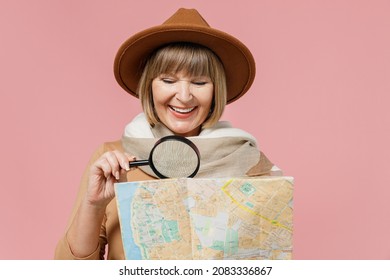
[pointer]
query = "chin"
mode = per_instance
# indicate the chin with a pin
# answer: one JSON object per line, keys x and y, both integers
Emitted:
{"x": 185, "y": 132}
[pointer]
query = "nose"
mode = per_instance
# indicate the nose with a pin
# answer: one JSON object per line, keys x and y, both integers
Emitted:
{"x": 183, "y": 93}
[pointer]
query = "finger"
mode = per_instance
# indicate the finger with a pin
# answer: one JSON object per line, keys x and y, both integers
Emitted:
{"x": 131, "y": 158}
{"x": 110, "y": 186}
{"x": 112, "y": 158}
{"x": 102, "y": 165}
{"x": 123, "y": 160}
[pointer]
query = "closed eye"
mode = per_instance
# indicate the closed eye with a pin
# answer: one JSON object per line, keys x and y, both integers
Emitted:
{"x": 199, "y": 83}
{"x": 168, "y": 81}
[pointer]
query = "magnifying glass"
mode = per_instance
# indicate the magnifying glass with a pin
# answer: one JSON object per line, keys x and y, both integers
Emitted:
{"x": 172, "y": 157}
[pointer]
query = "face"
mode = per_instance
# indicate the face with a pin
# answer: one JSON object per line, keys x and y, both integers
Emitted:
{"x": 182, "y": 102}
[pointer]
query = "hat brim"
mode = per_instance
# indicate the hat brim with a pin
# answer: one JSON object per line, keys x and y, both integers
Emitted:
{"x": 236, "y": 58}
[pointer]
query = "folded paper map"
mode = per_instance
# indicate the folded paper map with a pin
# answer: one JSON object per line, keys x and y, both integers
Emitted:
{"x": 231, "y": 218}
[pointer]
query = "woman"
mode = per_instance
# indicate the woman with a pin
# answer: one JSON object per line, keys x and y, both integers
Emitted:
{"x": 190, "y": 71}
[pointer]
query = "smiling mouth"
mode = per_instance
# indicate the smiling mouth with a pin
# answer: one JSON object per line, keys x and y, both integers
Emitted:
{"x": 182, "y": 110}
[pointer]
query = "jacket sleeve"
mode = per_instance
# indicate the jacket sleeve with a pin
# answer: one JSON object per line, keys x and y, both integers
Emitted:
{"x": 63, "y": 250}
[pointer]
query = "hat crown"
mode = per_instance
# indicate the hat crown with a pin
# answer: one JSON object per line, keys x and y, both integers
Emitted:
{"x": 186, "y": 17}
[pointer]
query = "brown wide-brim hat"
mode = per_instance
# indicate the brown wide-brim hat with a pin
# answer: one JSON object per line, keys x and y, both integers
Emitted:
{"x": 186, "y": 25}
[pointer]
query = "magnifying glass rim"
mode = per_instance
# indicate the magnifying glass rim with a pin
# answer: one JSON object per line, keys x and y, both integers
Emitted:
{"x": 175, "y": 138}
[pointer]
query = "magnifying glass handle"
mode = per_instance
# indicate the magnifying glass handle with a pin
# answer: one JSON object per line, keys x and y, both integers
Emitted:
{"x": 139, "y": 163}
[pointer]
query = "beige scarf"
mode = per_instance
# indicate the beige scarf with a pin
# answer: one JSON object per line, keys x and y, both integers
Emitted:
{"x": 224, "y": 151}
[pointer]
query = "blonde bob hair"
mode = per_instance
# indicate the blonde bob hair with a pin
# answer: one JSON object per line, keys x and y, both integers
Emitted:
{"x": 194, "y": 60}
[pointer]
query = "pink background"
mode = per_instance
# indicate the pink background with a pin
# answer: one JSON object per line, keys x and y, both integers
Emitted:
{"x": 319, "y": 107}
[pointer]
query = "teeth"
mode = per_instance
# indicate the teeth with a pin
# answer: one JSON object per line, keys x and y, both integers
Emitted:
{"x": 179, "y": 110}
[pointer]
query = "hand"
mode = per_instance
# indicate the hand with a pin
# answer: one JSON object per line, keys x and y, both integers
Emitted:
{"x": 104, "y": 173}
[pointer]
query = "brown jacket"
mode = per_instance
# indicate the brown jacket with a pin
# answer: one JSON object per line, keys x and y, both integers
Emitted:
{"x": 110, "y": 233}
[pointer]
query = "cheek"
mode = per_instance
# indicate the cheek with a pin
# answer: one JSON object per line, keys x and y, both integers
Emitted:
{"x": 207, "y": 99}
{"x": 156, "y": 97}
{"x": 161, "y": 95}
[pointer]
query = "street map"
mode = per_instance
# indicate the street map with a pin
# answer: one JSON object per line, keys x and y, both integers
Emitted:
{"x": 225, "y": 218}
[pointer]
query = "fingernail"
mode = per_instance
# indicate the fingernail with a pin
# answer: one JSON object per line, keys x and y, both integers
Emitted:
{"x": 126, "y": 166}
{"x": 117, "y": 175}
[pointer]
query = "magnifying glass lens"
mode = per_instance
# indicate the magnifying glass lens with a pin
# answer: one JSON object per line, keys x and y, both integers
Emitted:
{"x": 175, "y": 159}
{"x": 172, "y": 157}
